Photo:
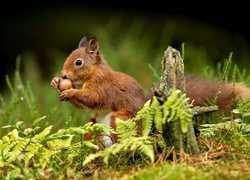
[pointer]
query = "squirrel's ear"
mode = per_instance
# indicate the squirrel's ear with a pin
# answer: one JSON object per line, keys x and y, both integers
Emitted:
{"x": 83, "y": 42}
{"x": 93, "y": 46}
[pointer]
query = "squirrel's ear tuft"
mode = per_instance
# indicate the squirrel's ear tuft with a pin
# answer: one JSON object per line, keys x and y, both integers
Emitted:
{"x": 83, "y": 42}
{"x": 93, "y": 45}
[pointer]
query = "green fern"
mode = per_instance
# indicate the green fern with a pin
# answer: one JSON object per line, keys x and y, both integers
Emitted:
{"x": 31, "y": 150}
{"x": 37, "y": 148}
{"x": 58, "y": 144}
{"x": 142, "y": 144}
{"x": 126, "y": 129}
{"x": 40, "y": 137}
{"x": 147, "y": 115}
{"x": 17, "y": 150}
{"x": 46, "y": 155}
{"x": 175, "y": 107}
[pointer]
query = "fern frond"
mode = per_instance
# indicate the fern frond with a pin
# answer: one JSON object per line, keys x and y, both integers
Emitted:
{"x": 175, "y": 107}
{"x": 90, "y": 127}
{"x": 90, "y": 144}
{"x": 13, "y": 147}
{"x": 64, "y": 133}
{"x": 158, "y": 118}
{"x": 126, "y": 129}
{"x": 142, "y": 144}
{"x": 148, "y": 120}
{"x": 7, "y": 144}
{"x": 17, "y": 150}
{"x": 14, "y": 135}
{"x": 142, "y": 111}
{"x": 41, "y": 135}
{"x": 148, "y": 150}
{"x": 185, "y": 117}
{"x": 147, "y": 115}
{"x": 92, "y": 157}
{"x": 103, "y": 128}
{"x": 58, "y": 144}
{"x": 173, "y": 104}
{"x": 46, "y": 155}
{"x": 169, "y": 104}
{"x": 31, "y": 150}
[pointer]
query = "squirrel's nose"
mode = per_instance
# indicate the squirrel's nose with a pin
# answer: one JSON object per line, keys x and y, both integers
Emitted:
{"x": 64, "y": 74}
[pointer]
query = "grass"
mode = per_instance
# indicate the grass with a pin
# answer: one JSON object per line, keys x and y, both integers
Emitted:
{"x": 30, "y": 112}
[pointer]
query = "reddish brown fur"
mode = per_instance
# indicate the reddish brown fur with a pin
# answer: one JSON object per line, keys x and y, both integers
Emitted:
{"x": 104, "y": 88}
{"x": 200, "y": 91}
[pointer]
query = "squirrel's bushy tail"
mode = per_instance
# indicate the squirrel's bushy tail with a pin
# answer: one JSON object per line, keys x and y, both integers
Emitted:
{"x": 202, "y": 91}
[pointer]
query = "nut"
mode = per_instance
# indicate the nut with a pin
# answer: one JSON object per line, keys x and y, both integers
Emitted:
{"x": 65, "y": 84}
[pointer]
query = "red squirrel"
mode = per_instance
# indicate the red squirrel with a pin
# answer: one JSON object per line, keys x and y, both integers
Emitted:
{"x": 97, "y": 86}
{"x": 113, "y": 94}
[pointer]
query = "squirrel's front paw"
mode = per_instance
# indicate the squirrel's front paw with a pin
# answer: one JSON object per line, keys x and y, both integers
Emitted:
{"x": 66, "y": 95}
{"x": 55, "y": 82}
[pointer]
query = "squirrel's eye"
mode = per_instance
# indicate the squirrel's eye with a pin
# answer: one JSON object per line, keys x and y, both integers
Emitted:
{"x": 78, "y": 62}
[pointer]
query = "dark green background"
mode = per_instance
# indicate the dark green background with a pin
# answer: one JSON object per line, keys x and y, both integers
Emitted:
{"x": 44, "y": 28}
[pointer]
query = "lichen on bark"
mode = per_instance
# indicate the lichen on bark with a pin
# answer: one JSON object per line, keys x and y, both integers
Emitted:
{"x": 173, "y": 78}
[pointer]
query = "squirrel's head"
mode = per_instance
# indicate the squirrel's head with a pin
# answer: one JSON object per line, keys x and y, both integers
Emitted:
{"x": 82, "y": 63}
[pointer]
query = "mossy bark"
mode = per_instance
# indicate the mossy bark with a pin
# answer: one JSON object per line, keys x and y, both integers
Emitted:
{"x": 173, "y": 78}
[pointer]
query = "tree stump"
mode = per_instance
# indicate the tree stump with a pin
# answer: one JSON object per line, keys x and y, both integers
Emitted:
{"x": 173, "y": 78}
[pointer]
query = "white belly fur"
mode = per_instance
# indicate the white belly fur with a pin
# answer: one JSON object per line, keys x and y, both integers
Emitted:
{"x": 103, "y": 117}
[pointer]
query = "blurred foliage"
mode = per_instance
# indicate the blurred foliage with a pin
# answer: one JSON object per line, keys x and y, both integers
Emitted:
{"x": 129, "y": 40}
